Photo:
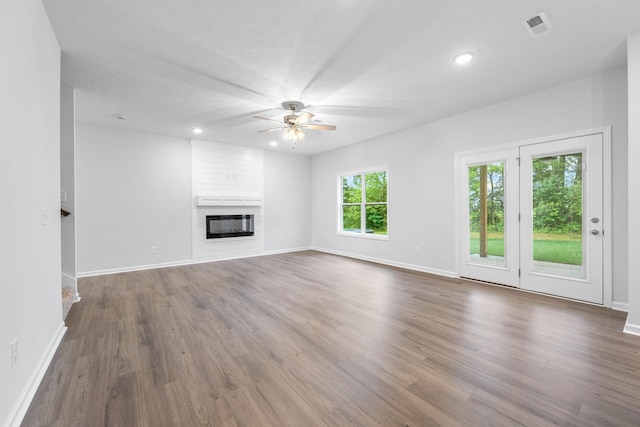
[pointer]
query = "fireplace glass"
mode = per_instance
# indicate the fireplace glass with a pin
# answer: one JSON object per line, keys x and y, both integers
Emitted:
{"x": 219, "y": 226}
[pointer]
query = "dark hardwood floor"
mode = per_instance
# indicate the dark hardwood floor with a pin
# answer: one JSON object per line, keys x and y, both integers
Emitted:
{"x": 311, "y": 339}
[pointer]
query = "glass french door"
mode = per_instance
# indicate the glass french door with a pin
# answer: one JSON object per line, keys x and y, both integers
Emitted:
{"x": 488, "y": 216}
{"x": 531, "y": 217}
{"x": 561, "y": 205}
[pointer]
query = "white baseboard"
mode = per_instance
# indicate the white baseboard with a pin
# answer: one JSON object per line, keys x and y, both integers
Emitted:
{"x": 391, "y": 263}
{"x": 287, "y": 251}
{"x": 630, "y": 328}
{"x": 24, "y": 400}
{"x": 69, "y": 281}
{"x": 620, "y": 306}
{"x": 181, "y": 263}
{"x": 134, "y": 268}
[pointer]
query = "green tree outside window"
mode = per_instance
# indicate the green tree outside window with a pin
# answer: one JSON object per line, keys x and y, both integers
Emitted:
{"x": 364, "y": 203}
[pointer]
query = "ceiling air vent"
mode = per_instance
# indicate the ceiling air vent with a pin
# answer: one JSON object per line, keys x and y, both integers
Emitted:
{"x": 537, "y": 25}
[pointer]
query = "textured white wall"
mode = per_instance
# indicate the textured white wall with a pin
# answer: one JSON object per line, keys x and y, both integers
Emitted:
{"x": 422, "y": 171}
{"x": 30, "y": 298}
{"x": 133, "y": 191}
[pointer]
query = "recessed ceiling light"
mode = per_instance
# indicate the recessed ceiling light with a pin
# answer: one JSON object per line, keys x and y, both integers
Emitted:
{"x": 121, "y": 117}
{"x": 197, "y": 131}
{"x": 273, "y": 144}
{"x": 463, "y": 58}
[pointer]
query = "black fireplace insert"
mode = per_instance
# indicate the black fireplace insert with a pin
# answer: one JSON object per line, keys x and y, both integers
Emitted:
{"x": 219, "y": 226}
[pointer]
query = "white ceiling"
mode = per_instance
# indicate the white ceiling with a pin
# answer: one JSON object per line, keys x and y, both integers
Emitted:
{"x": 370, "y": 67}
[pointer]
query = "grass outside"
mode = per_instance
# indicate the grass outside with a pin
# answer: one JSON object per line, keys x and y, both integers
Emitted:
{"x": 563, "y": 248}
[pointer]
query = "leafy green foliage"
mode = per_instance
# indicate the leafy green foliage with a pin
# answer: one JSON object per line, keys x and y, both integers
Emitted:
{"x": 495, "y": 197}
{"x": 374, "y": 187}
{"x": 557, "y": 194}
{"x": 352, "y": 189}
{"x": 377, "y": 218}
{"x": 351, "y": 218}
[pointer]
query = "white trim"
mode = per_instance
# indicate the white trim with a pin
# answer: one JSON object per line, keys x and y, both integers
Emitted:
{"x": 360, "y": 171}
{"x": 365, "y": 235}
{"x": 391, "y": 263}
{"x": 575, "y": 134}
{"x": 287, "y": 251}
{"x": 631, "y": 329}
{"x": 69, "y": 281}
{"x": 19, "y": 410}
{"x": 607, "y": 249}
{"x": 620, "y": 306}
{"x": 136, "y": 268}
{"x": 184, "y": 262}
{"x": 245, "y": 200}
{"x": 414, "y": 267}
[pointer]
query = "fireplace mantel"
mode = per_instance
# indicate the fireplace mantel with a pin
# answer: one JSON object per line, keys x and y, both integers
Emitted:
{"x": 206, "y": 201}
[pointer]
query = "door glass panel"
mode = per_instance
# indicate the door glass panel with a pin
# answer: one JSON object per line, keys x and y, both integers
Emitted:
{"x": 486, "y": 214}
{"x": 557, "y": 215}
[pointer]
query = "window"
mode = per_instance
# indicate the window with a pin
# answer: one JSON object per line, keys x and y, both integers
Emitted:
{"x": 363, "y": 203}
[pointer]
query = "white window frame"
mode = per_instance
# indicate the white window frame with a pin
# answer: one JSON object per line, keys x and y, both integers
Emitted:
{"x": 363, "y": 218}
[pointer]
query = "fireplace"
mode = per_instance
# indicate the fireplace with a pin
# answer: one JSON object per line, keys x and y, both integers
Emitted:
{"x": 219, "y": 226}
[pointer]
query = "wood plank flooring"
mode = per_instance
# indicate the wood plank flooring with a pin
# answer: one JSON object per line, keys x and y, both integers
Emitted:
{"x": 311, "y": 339}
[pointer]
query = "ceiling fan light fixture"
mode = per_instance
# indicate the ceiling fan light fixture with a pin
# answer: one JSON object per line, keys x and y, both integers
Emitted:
{"x": 294, "y": 123}
{"x": 463, "y": 58}
{"x": 294, "y": 134}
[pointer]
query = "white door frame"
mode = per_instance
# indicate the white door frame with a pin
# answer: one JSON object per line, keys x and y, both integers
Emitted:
{"x": 606, "y": 186}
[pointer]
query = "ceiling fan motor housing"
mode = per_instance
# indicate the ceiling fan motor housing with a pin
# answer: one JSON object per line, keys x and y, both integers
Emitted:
{"x": 290, "y": 119}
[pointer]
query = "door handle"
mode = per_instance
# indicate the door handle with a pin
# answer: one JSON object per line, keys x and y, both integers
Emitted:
{"x": 595, "y": 232}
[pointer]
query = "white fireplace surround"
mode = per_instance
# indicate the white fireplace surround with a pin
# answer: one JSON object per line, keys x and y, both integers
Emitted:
{"x": 226, "y": 180}
{"x": 244, "y": 200}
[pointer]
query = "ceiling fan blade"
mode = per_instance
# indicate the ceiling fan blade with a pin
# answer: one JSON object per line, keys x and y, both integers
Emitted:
{"x": 271, "y": 130}
{"x": 303, "y": 118}
{"x": 264, "y": 118}
{"x": 319, "y": 127}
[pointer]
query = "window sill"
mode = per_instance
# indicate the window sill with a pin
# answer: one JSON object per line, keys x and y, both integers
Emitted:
{"x": 364, "y": 235}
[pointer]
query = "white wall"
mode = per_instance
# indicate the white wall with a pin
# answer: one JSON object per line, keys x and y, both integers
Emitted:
{"x": 287, "y": 201}
{"x": 421, "y": 171}
{"x": 67, "y": 185}
{"x": 633, "y": 60}
{"x": 130, "y": 185}
{"x": 30, "y": 298}
{"x": 133, "y": 192}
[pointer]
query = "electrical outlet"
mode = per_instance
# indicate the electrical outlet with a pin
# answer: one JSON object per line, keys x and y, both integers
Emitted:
{"x": 14, "y": 352}
{"x": 417, "y": 250}
{"x": 154, "y": 249}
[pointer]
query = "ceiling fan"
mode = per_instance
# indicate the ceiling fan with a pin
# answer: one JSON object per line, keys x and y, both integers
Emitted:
{"x": 295, "y": 123}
